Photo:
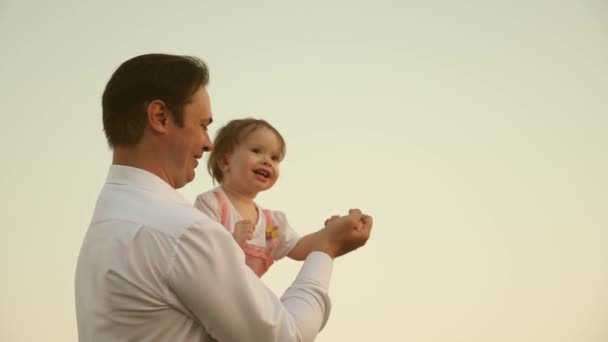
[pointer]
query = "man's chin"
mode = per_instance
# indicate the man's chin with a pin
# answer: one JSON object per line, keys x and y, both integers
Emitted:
{"x": 190, "y": 177}
{"x": 182, "y": 182}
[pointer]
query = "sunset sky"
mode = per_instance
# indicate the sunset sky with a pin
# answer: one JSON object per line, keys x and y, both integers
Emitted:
{"x": 475, "y": 133}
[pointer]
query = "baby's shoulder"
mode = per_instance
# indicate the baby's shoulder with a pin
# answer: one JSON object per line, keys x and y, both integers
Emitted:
{"x": 207, "y": 200}
{"x": 278, "y": 217}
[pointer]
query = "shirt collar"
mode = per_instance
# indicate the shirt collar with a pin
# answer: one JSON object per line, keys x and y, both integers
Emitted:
{"x": 140, "y": 178}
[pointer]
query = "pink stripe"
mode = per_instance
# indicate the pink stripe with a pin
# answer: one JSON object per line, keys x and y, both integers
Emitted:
{"x": 268, "y": 217}
{"x": 221, "y": 200}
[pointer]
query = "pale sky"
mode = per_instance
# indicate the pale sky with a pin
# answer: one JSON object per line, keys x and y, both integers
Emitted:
{"x": 473, "y": 131}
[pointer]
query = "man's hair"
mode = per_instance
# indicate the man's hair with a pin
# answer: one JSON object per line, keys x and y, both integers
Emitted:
{"x": 140, "y": 80}
{"x": 228, "y": 139}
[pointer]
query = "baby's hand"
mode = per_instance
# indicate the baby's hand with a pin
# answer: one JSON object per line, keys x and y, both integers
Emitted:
{"x": 243, "y": 231}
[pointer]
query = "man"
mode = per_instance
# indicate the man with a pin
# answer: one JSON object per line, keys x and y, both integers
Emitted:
{"x": 154, "y": 268}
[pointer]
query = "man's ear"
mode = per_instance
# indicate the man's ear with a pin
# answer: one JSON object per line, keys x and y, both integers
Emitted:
{"x": 158, "y": 116}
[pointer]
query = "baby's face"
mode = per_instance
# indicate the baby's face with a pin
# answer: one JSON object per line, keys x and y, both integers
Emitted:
{"x": 254, "y": 165}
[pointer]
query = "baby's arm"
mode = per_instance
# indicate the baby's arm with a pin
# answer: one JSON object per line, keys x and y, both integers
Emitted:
{"x": 243, "y": 232}
{"x": 208, "y": 204}
{"x": 303, "y": 247}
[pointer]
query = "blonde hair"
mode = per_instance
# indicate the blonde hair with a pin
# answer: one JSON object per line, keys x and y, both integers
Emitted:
{"x": 230, "y": 136}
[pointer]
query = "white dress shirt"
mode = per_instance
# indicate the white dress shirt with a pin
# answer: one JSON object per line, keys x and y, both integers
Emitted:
{"x": 154, "y": 268}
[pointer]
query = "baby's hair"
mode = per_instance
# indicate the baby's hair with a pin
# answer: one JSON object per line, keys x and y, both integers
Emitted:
{"x": 230, "y": 136}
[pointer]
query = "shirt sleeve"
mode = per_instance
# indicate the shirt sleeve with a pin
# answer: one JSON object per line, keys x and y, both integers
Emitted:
{"x": 209, "y": 276}
{"x": 288, "y": 237}
{"x": 207, "y": 203}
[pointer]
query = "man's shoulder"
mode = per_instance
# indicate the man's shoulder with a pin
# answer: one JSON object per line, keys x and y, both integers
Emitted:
{"x": 132, "y": 204}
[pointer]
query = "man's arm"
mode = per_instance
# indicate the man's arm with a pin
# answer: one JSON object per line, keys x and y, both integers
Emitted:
{"x": 210, "y": 277}
{"x": 347, "y": 233}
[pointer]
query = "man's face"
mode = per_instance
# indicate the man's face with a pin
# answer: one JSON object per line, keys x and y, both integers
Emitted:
{"x": 188, "y": 143}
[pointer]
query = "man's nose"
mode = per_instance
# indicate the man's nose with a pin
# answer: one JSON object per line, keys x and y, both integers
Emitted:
{"x": 208, "y": 147}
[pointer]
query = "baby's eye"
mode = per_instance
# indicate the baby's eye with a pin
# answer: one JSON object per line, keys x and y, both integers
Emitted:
{"x": 276, "y": 158}
{"x": 256, "y": 150}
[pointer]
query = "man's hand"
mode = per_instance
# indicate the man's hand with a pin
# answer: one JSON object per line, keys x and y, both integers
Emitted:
{"x": 243, "y": 231}
{"x": 343, "y": 234}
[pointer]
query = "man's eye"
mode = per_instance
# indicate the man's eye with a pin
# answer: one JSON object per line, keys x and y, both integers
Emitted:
{"x": 255, "y": 150}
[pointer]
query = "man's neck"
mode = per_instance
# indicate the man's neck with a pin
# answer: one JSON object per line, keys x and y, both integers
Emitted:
{"x": 138, "y": 158}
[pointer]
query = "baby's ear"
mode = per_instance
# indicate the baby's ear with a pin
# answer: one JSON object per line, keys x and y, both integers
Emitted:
{"x": 223, "y": 163}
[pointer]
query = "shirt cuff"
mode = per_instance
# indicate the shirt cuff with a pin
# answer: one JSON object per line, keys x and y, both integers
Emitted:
{"x": 317, "y": 266}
